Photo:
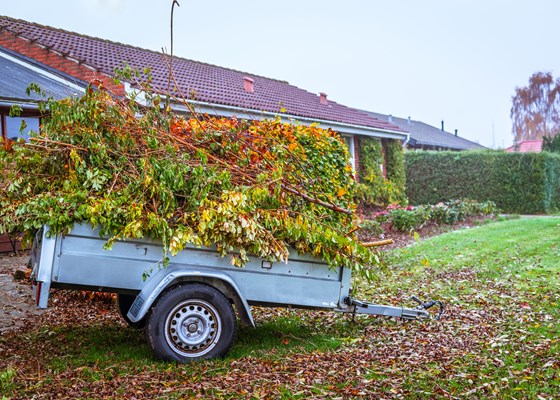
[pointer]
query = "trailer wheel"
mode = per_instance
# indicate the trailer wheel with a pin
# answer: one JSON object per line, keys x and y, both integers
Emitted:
{"x": 191, "y": 322}
{"x": 124, "y": 301}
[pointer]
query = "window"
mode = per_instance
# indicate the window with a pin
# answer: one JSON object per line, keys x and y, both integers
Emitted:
{"x": 349, "y": 140}
{"x": 13, "y": 127}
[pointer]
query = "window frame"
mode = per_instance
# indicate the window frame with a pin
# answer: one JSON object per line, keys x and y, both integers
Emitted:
{"x": 5, "y": 113}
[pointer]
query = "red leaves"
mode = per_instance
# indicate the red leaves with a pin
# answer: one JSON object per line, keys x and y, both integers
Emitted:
{"x": 7, "y": 144}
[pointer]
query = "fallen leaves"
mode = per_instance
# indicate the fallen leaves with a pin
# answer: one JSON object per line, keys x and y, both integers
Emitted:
{"x": 487, "y": 345}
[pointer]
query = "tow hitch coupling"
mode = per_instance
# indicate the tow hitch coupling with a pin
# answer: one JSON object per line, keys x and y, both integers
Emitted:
{"x": 428, "y": 304}
{"x": 360, "y": 307}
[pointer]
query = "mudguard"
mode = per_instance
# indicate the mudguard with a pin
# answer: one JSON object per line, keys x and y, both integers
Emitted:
{"x": 178, "y": 274}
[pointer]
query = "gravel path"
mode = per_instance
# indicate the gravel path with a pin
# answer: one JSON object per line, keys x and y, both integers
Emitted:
{"x": 17, "y": 307}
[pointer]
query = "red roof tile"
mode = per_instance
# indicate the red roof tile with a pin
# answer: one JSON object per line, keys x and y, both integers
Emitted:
{"x": 197, "y": 80}
{"x": 527, "y": 146}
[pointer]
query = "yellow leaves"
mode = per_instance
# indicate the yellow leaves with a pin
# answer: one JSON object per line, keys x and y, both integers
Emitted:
{"x": 235, "y": 184}
{"x": 181, "y": 236}
{"x": 75, "y": 157}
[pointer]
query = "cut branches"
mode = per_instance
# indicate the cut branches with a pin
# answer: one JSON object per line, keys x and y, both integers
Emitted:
{"x": 257, "y": 187}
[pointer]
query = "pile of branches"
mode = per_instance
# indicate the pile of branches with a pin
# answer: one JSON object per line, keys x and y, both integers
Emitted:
{"x": 257, "y": 187}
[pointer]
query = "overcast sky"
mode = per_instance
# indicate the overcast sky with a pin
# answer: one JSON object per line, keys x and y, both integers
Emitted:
{"x": 433, "y": 60}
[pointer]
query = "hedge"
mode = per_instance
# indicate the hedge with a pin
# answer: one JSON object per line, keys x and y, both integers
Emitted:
{"x": 524, "y": 183}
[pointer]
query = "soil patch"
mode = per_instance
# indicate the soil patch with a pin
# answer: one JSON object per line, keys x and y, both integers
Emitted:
{"x": 17, "y": 308}
{"x": 402, "y": 239}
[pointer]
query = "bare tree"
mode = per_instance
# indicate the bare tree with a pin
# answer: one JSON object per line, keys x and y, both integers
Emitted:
{"x": 536, "y": 108}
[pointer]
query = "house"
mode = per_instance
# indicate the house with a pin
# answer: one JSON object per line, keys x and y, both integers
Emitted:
{"x": 526, "y": 146}
{"x": 16, "y": 73}
{"x": 428, "y": 137}
{"x": 208, "y": 88}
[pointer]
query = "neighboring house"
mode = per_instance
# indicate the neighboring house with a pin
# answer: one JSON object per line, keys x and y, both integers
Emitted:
{"x": 526, "y": 146}
{"x": 209, "y": 88}
{"x": 427, "y": 137}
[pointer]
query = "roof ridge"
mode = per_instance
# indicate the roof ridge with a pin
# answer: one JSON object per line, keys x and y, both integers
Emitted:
{"x": 22, "y": 21}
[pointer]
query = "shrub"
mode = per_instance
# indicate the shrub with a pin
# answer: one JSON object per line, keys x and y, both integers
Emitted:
{"x": 525, "y": 183}
{"x": 374, "y": 188}
{"x": 396, "y": 173}
{"x": 371, "y": 226}
{"x": 410, "y": 218}
{"x": 406, "y": 220}
{"x": 551, "y": 143}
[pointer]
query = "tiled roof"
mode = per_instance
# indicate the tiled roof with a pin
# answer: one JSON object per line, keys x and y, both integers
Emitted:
{"x": 424, "y": 135}
{"x": 198, "y": 81}
{"x": 527, "y": 146}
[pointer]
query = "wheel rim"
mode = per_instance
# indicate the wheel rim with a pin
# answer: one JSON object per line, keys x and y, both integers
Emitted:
{"x": 193, "y": 328}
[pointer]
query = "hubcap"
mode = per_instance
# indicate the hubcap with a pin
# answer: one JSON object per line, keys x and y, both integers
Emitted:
{"x": 193, "y": 328}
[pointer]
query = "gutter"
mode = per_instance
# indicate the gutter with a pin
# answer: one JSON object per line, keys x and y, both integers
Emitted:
{"x": 230, "y": 111}
{"x": 406, "y": 141}
{"x": 22, "y": 103}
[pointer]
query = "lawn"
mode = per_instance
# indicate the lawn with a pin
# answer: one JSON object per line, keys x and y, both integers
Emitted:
{"x": 497, "y": 339}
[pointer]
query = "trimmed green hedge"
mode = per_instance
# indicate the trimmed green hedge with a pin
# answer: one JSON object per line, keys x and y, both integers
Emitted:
{"x": 524, "y": 183}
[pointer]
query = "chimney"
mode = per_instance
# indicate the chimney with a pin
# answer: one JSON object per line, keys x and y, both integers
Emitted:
{"x": 456, "y": 132}
{"x": 248, "y": 84}
{"x": 323, "y": 99}
{"x": 442, "y": 125}
{"x": 390, "y": 119}
{"x": 409, "y": 121}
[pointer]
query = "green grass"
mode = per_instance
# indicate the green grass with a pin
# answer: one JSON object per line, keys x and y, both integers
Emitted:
{"x": 524, "y": 251}
{"x": 283, "y": 336}
{"x": 508, "y": 270}
{"x": 498, "y": 338}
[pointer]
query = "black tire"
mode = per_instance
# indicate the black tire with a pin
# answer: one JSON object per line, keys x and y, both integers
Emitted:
{"x": 191, "y": 322}
{"x": 124, "y": 301}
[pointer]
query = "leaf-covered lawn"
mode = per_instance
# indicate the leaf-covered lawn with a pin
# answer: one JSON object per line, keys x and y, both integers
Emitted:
{"x": 498, "y": 338}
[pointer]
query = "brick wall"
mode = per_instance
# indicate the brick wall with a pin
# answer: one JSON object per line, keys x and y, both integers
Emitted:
{"x": 6, "y": 245}
{"x": 58, "y": 61}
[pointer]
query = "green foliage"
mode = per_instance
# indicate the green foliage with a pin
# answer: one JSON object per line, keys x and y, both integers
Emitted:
{"x": 371, "y": 227}
{"x": 6, "y": 378}
{"x": 396, "y": 173}
{"x": 524, "y": 183}
{"x": 551, "y": 143}
{"x": 246, "y": 187}
{"x": 448, "y": 213}
{"x": 406, "y": 220}
{"x": 375, "y": 189}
